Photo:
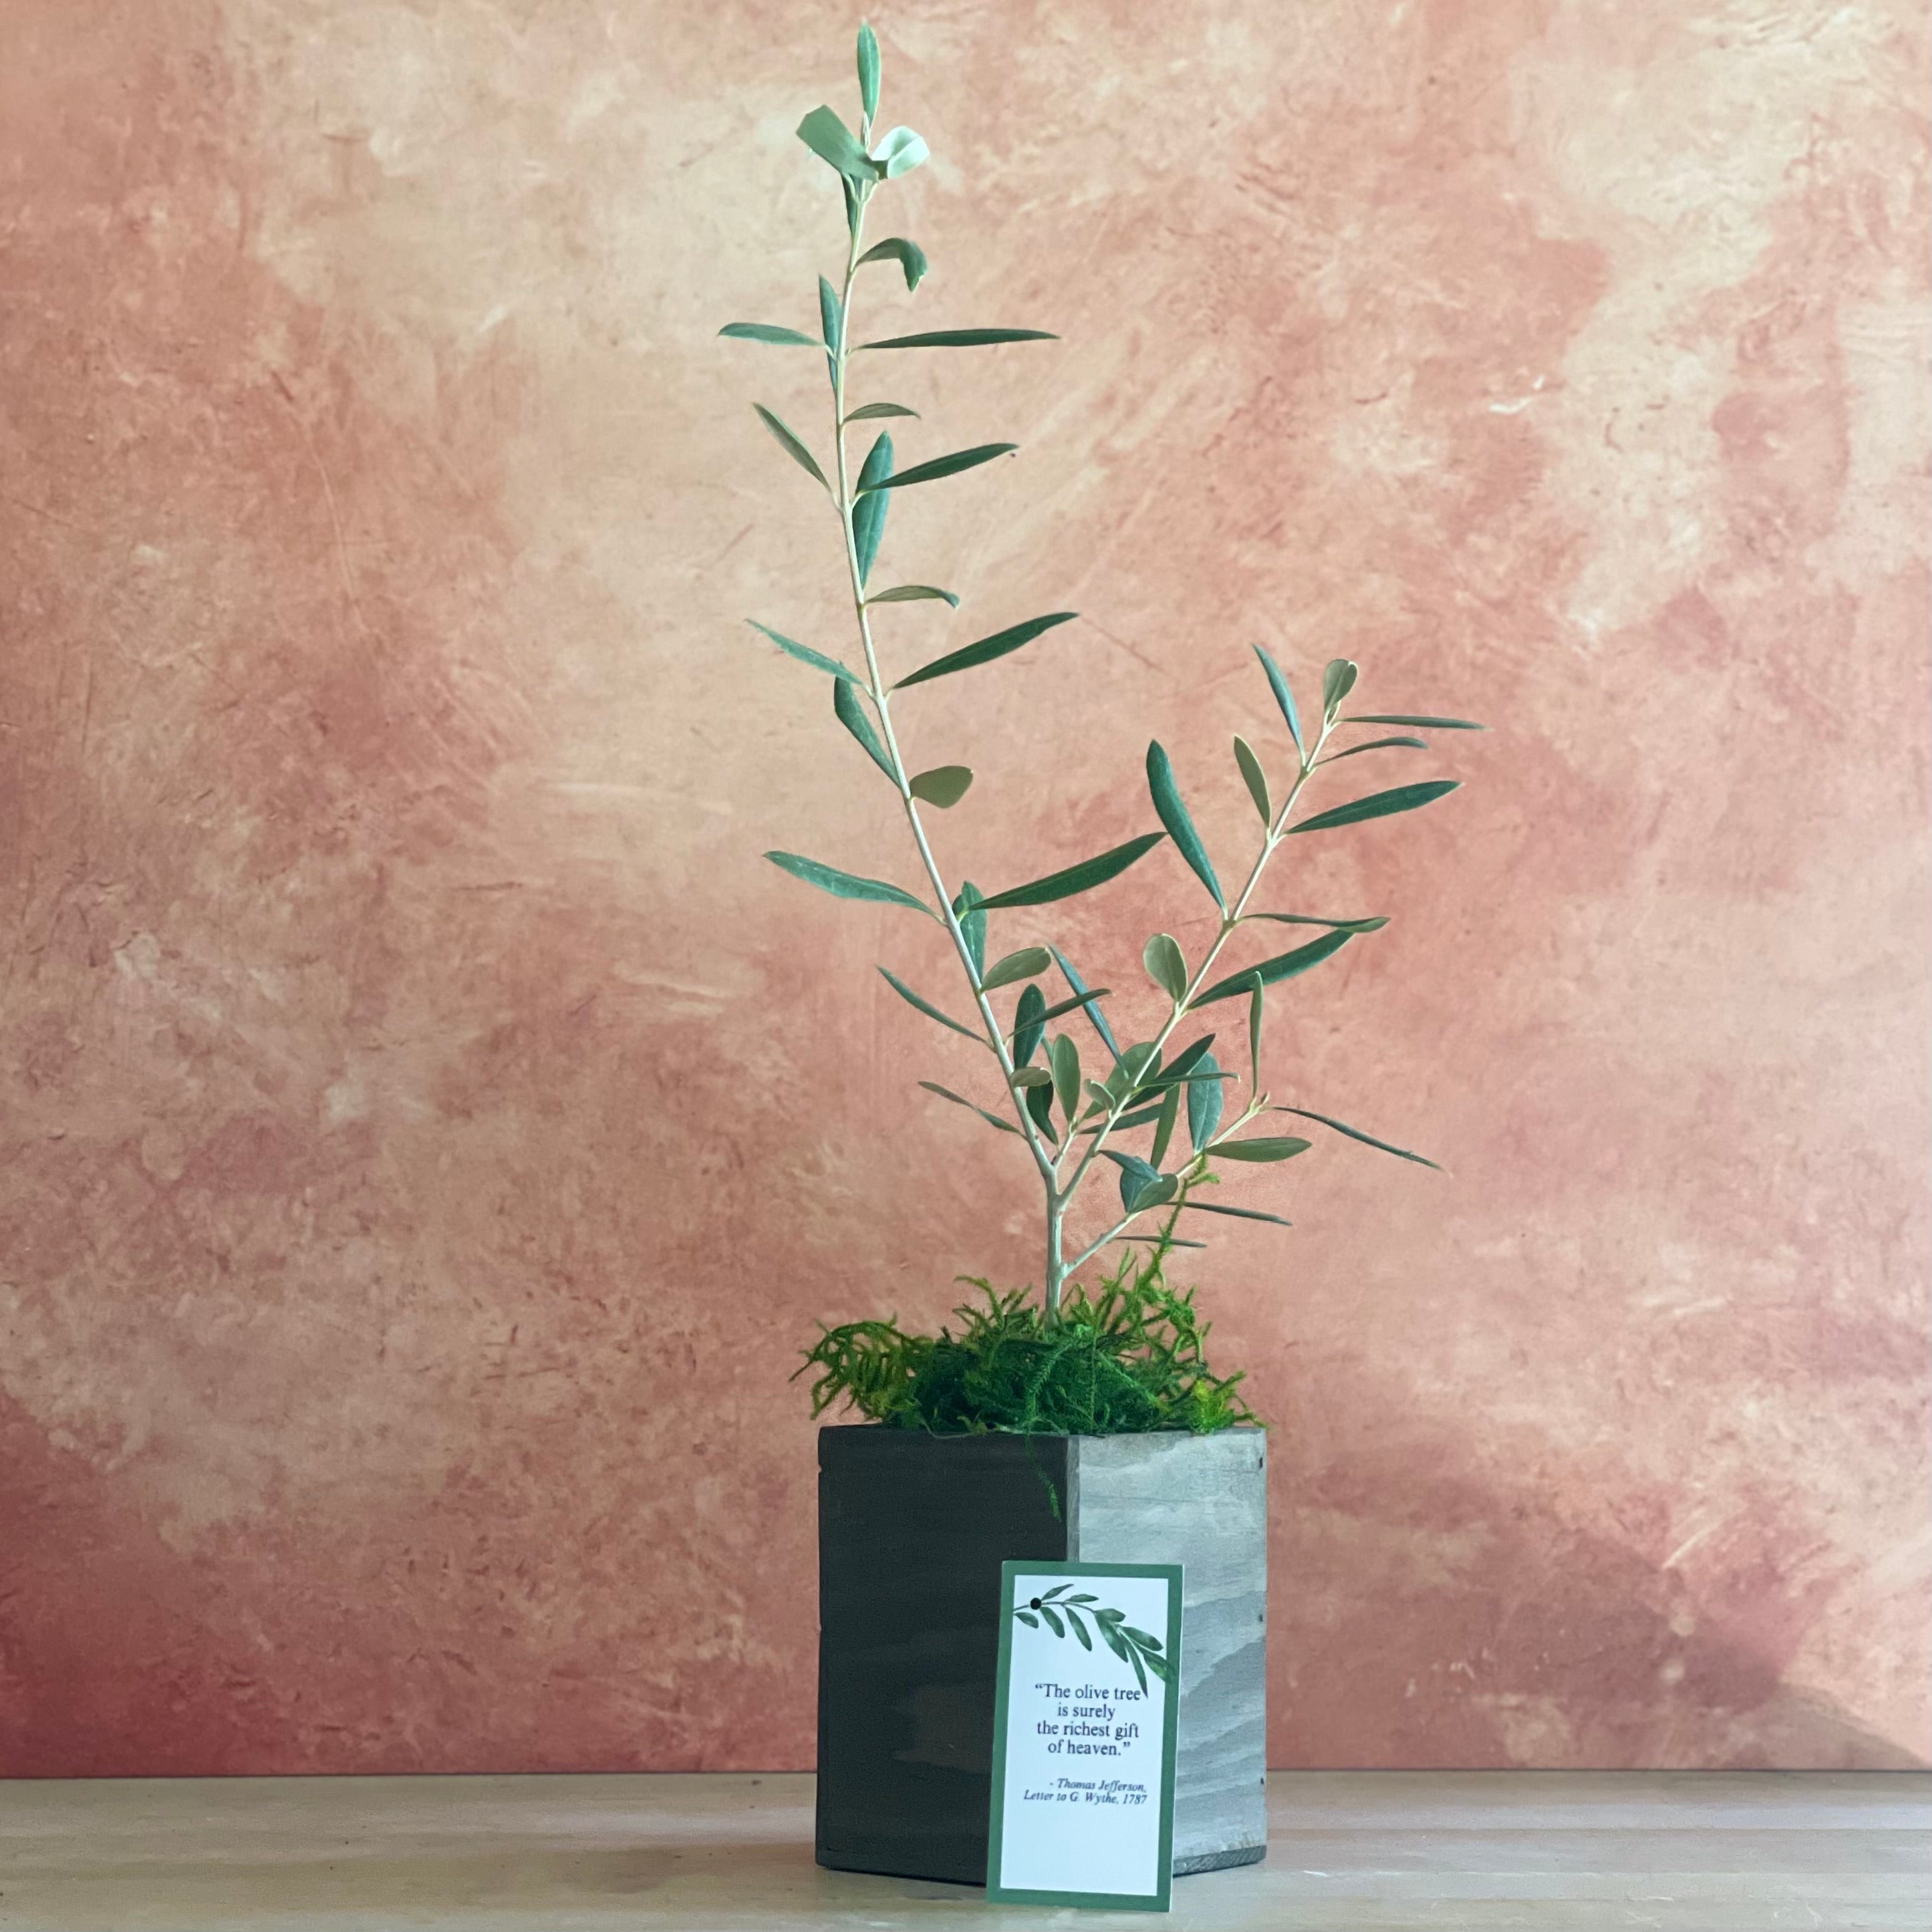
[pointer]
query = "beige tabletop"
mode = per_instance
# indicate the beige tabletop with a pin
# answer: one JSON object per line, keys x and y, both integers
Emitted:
{"x": 1846, "y": 1851}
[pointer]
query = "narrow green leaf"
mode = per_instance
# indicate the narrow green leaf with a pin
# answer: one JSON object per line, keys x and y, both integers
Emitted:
{"x": 960, "y": 1100}
{"x": 909, "y": 255}
{"x": 1236, "y": 1213}
{"x": 1141, "y": 1116}
{"x": 962, "y": 338}
{"x": 1379, "y": 745}
{"x": 944, "y": 786}
{"x": 926, "y": 1007}
{"x": 1255, "y": 779}
{"x": 1030, "y": 1023}
{"x": 1379, "y": 805}
{"x": 1167, "y": 1240}
{"x": 1028, "y": 963}
{"x": 1283, "y": 1146}
{"x": 804, "y": 653}
{"x": 844, "y": 885}
{"x": 968, "y": 908}
{"x": 1116, "y": 1643}
{"x": 1027, "y": 1617}
{"x": 1190, "y": 1056}
{"x": 868, "y": 510}
{"x": 1356, "y": 1134}
{"x": 1002, "y": 643}
{"x": 943, "y": 465}
{"x": 913, "y": 593}
{"x": 1333, "y": 925}
{"x": 1257, "y": 1004}
{"x": 868, "y": 70}
{"x": 872, "y": 411}
{"x": 1140, "y": 1668}
{"x": 1053, "y": 1622}
{"x": 833, "y": 142}
{"x": 1098, "y": 1098}
{"x": 1063, "y": 1057}
{"x": 1205, "y": 1104}
{"x": 1079, "y": 1629}
{"x": 1058, "y": 1590}
{"x": 1417, "y": 724}
{"x": 1163, "y": 1667}
{"x": 1163, "y": 1132}
{"x": 1080, "y": 878}
{"x": 1030, "y": 1077}
{"x": 1337, "y": 681}
{"x": 899, "y": 153}
{"x": 1152, "y": 1645}
{"x": 791, "y": 445}
{"x": 1141, "y": 1182}
{"x": 1282, "y": 966}
{"x": 1139, "y": 1063}
{"x": 765, "y": 331}
{"x": 828, "y": 315}
{"x": 1039, "y": 1103}
{"x": 1083, "y": 999}
{"x": 1080, "y": 992}
{"x": 1167, "y": 802}
{"x": 1283, "y": 696}
{"x": 1166, "y": 965}
{"x": 848, "y": 708}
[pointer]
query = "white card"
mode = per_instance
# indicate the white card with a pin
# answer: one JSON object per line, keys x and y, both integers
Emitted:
{"x": 1083, "y": 1735}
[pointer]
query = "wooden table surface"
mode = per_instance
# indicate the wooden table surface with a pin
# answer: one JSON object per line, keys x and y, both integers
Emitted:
{"x": 1349, "y": 1851}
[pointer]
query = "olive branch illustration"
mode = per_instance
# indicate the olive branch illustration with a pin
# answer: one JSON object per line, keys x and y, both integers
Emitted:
{"x": 1059, "y": 1611}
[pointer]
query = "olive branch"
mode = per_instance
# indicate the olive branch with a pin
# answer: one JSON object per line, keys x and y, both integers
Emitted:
{"x": 1067, "y": 1120}
{"x": 1061, "y": 1612}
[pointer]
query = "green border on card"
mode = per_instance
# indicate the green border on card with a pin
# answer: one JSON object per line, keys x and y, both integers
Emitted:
{"x": 1103, "y": 1901}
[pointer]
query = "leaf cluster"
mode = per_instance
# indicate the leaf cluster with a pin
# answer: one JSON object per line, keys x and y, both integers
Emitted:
{"x": 1063, "y": 1608}
{"x": 1127, "y": 1358}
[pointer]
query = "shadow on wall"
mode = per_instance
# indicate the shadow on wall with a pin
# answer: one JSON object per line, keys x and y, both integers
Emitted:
{"x": 1503, "y": 1635}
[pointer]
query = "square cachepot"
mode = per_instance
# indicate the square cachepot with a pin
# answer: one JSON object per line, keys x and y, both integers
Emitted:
{"x": 912, "y": 1530}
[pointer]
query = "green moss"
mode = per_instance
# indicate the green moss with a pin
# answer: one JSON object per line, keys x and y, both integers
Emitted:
{"x": 1125, "y": 1358}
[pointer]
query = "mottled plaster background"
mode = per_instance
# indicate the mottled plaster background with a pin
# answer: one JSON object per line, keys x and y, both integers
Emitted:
{"x": 430, "y": 1130}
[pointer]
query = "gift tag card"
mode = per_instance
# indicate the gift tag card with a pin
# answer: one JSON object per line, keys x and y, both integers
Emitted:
{"x": 1083, "y": 1736}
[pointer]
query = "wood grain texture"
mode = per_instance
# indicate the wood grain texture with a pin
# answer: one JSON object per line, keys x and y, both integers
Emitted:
{"x": 1360, "y": 1852}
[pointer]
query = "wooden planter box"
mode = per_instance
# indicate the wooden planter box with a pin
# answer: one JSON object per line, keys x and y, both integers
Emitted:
{"x": 912, "y": 1530}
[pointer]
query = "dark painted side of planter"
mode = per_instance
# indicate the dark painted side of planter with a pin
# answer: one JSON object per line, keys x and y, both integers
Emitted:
{"x": 913, "y": 1529}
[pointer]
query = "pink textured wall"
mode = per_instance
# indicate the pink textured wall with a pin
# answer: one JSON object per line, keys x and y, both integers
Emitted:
{"x": 429, "y": 1128}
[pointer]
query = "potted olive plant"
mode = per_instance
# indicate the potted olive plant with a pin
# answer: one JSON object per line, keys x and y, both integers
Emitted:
{"x": 1082, "y": 1422}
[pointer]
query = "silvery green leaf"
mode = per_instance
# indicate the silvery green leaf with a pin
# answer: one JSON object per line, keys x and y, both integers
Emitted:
{"x": 1257, "y": 999}
{"x": 1090, "y": 872}
{"x": 909, "y": 255}
{"x": 1283, "y": 696}
{"x": 1002, "y": 643}
{"x": 1063, "y": 1057}
{"x": 1415, "y": 724}
{"x": 1333, "y": 925}
{"x": 872, "y": 412}
{"x": 765, "y": 331}
{"x": 868, "y": 512}
{"x": 1032, "y": 1076}
{"x": 850, "y": 711}
{"x": 944, "y": 786}
{"x": 1236, "y": 1213}
{"x": 962, "y": 338}
{"x": 1337, "y": 681}
{"x": 1283, "y": 1147}
{"x": 1030, "y": 1023}
{"x": 828, "y": 314}
{"x": 1169, "y": 1111}
{"x": 1084, "y": 997}
{"x": 804, "y": 653}
{"x": 1038, "y": 1100}
{"x": 1282, "y": 966}
{"x": 967, "y": 909}
{"x": 1356, "y": 1134}
{"x": 926, "y": 1007}
{"x": 1028, "y": 963}
{"x": 1204, "y": 1103}
{"x": 1167, "y": 803}
{"x": 791, "y": 445}
{"x": 1379, "y": 745}
{"x": 1093, "y": 1013}
{"x": 959, "y": 1100}
{"x": 1255, "y": 779}
{"x": 1380, "y": 804}
{"x": 899, "y": 153}
{"x": 833, "y": 142}
{"x": 1166, "y": 965}
{"x": 914, "y": 593}
{"x": 868, "y": 70}
{"x": 943, "y": 465}
{"x": 844, "y": 885}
